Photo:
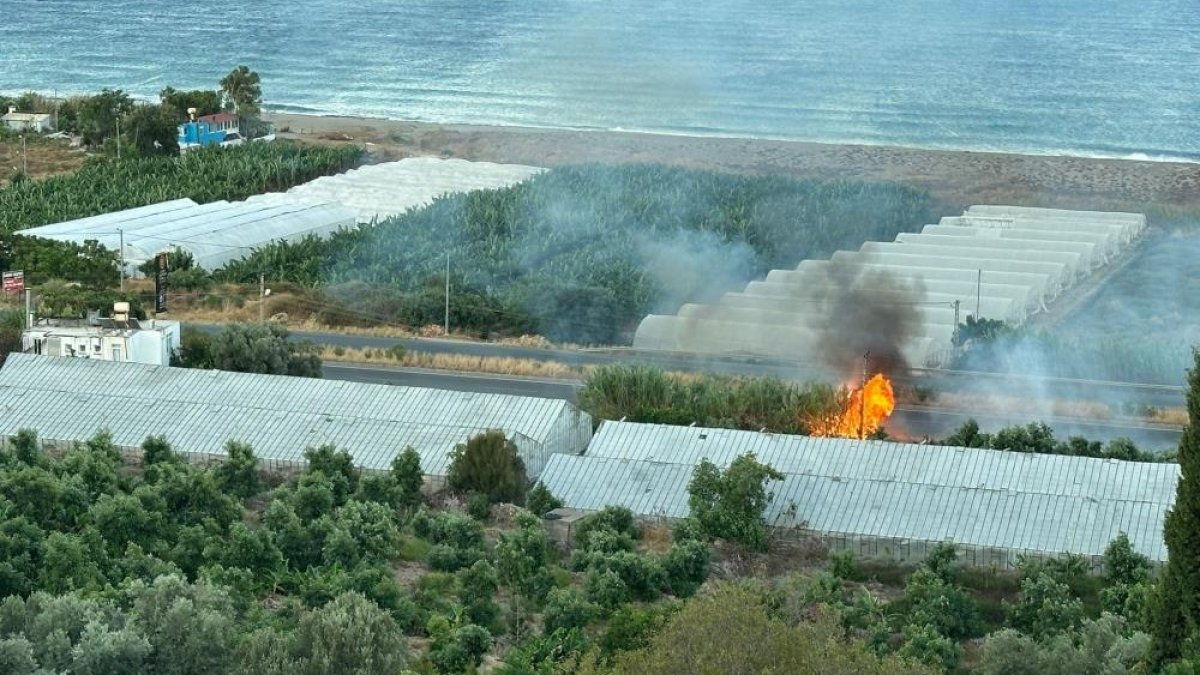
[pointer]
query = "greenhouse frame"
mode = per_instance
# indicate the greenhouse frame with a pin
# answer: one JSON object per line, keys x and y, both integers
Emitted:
{"x": 1084, "y": 256}
{"x": 990, "y": 307}
{"x": 214, "y": 233}
{"x": 378, "y": 191}
{"x": 67, "y": 400}
{"x": 1060, "y": 267}
{"x": 1005, "y": 263}
{"x": 882, "y": 499}
{"x": 1106, "y": 244}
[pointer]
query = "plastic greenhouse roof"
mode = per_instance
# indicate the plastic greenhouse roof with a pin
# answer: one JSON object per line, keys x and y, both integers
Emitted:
{"x": 1023, "y": 502}
{"x": 1019, "y": 257}
{"x": 1086, "y": 255}
{"x": 76, "y": 397}
{"x": 390, "y": 188}
{"x": 1105, "y": 243}
{"x": 214, "y": 233}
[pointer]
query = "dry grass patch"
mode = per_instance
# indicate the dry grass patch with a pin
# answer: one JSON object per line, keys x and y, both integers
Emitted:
{"x": 499, "y": 365}
{"x": 47, "y": 157}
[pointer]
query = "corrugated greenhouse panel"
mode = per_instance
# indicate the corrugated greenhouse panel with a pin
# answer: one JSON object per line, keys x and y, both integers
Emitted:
{"x": 198, "y": 411}
{"x": 983, "y": 498}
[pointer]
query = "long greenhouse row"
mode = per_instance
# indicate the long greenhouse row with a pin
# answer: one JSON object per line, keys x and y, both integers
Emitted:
{"x": 879, "y": 498}
{"x": 378, "y": 191}
{"x": 218, "y": 232}
{"x": 992, "y": 262}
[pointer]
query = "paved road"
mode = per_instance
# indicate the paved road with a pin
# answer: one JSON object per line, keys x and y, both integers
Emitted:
{"x": 1115, "y": 394}
{"x": 908, "y": 421}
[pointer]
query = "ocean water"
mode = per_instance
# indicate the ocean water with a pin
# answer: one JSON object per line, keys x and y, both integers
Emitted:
{"x": 1085, "y": 77}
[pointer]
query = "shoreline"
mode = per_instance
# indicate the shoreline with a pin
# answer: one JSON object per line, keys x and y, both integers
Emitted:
{"x": 953, "y": 177}
{"x": 1131, "y": 156}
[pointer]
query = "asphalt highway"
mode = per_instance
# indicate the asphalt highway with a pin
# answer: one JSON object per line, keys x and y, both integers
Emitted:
{"x": 1115, "y": 394}
{"x": 908, "y": 422}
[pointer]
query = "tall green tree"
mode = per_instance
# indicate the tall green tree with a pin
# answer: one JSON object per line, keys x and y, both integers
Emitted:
{"x": 98, "y": 115}
{"x": 262, "y": 348}
{"x": 150, "y": 130}
{"x": 242, "y": 91}
{"x": 1177, "y": 617}
{"x": 729, "y": 504}
{"x": 206, "y": 102}
{"x": 489, "y": 464}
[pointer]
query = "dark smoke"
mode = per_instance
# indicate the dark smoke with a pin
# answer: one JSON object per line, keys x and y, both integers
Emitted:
{"x": 855, "y": 319}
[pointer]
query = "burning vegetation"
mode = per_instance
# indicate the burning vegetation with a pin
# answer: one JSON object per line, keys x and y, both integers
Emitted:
{"x": 863, "y": 413}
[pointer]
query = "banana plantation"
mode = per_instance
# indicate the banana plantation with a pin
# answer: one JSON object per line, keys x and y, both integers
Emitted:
{"x": 582, "y": 253}
{"x": 104, "y": 184}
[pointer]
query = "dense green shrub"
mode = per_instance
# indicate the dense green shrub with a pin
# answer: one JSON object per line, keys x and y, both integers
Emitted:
{"x": 566, "y": 609}
{"x": 685, "y": 565}
{"x": 729, "y": 504}
{"x": 540, "y": 501}
{"x": 238, "y": 474}
{"x": 1103, "y": 645}
{"x": 490, "y": 465}
{"x": 614, "y": 521}
{"x": 523, "y": 559}
{"x": 640, "y": 394}
{"x": 1045, "y": 608}
{"x": 1038, "y": 437}
{"x": 929, "y": 600}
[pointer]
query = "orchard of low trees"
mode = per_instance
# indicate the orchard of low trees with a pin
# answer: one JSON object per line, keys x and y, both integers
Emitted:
{"x": 119, "y": 562}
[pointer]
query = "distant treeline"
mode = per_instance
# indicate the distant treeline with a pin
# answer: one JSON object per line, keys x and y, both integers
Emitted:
{"x": 582, "y": 253}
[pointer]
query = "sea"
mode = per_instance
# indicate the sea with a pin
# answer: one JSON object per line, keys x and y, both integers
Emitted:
{"x": 1113, "y": 78}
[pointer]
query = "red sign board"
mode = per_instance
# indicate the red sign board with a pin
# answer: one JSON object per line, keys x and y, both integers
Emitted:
{"x": 14, "y": 282}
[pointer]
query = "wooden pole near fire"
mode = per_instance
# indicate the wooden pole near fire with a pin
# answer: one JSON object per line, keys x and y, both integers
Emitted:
{"x": 862, "y": 398}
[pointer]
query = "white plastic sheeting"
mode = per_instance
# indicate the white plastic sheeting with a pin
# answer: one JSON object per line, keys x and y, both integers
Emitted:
{"x": 1016, "y": 503}
{"x": 990, "y": 307}
{"x": 213, "y": 233}
{"x": 107, "y": 223}
{"x": 391, "y": 188}
{"x": 1003, "y": 303}
{"x": 1085, "y": 256}
{"x": 1061, "y": 266}
{"x": 1046, "y": 283}
{"x": 1106, "y": 244}
{"x": 67, "y": 400}
{"x": 1130, "y": 224}
{"x": 1007, "y": 261}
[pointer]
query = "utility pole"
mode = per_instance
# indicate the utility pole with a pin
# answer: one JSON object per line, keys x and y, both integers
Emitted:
{"x": 24, "y": 157}
{"x": 954, "y": 340}
{"x": 118, "y": 135}
{"x": 978, "y": 289}
{"x": 446, "y": 328}
{"x": 121, "y": 232}
{"x": 862, "y": 400}
{"x": 28, "y": 308}
{"x": 262, "y": 296}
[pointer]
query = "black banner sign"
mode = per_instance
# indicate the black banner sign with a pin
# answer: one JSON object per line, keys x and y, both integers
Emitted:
{"x": 160, "y": 284}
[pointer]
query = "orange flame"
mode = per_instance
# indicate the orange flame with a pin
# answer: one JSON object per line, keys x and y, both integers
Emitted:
{"x": 857, "y": 420}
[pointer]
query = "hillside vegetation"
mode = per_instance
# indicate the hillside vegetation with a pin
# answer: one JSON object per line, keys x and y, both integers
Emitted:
{"x": 582, "y": 253}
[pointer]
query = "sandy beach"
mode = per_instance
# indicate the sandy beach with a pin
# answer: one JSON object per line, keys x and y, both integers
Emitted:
{"x": 953, "y": 177}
